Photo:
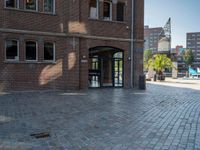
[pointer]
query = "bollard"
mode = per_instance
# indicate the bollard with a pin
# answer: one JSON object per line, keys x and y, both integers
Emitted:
{"x": 142, "y": 82}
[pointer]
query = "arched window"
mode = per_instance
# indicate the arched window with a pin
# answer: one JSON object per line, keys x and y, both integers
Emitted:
{"x": 94, "y": 9}
{"x": 12, "y": 3}
{"x": 31, "y": 51}
{"x": 32, "y": 5}
{"x": 107, "y": 10}
{"x": 12, "y": 50}
{"x": 118, "y": 55}
{"x": 120, "y": 11}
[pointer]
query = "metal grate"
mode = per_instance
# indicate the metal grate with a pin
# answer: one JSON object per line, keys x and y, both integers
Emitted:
{"x": 40, "y": 135}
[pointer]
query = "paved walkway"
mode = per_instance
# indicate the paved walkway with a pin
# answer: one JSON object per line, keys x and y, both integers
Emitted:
{"x": 162, "y": 117}
{"x": 180, "y": 82}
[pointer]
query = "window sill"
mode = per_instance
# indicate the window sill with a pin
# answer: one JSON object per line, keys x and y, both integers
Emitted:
{"x": 28, "y": 62}
{"x": 11, "y": 61}
{"x": 12, "y": 8}
{"x": 49, "y": 62}
{"x": 108, "y": 21}
{"x": 30, "y": 11}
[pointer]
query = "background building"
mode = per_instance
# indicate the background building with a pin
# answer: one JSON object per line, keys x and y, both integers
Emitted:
{"x": 69, "y": 44}
{"x": 178, "y": 55}
{"x": 151, "y": 37}
{"x": 193, "y": 43}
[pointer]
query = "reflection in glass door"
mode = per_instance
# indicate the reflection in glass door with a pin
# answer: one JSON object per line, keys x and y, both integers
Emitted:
{"x": 118, "y": 72}
{"x": 95, "y": 73}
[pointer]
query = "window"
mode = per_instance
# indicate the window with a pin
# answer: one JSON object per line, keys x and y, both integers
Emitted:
{"x": 94, "y": 9}
{"x": 120, "y": 11}
{"x": 107, "y": 10}
{"x": 12, "y": 50}
{"x": 190, "y": 46}
{"x": 49, "y": 51}
{"x": 31, "y": 5}
{"x": 31, "y": 50}
{"x": 12, "y": 3}
{"x": 193, "y": 34}
{"x": 49, "y": 6}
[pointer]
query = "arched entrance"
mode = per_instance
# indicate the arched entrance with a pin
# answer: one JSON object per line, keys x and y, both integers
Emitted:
{"x": 106, "y": 67}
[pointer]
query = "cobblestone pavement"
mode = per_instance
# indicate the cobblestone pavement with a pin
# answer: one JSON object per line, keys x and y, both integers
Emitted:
{"x": 162, "y": 117}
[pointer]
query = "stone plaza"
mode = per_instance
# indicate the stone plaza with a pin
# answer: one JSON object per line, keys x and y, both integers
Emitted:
{"x": 164, "y": 116}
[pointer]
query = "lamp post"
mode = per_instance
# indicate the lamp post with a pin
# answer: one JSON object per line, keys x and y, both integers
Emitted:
{"x": 132, "y": 40}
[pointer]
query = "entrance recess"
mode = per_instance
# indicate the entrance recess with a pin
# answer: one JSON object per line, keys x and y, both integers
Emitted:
{"x": 106, "y": 67}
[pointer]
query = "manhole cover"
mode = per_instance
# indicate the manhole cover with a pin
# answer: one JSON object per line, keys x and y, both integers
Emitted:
{"x": 40, "y": 135}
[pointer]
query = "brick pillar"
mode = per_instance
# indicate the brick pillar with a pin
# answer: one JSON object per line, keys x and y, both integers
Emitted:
{"x": 114, "y": 10}
{"x": 40, "y": 51}
{"x": 100, "y": 9}
{"x": 22, "y": 49}
{"x": 84, "y": 60}
{"x": 139, "y": 36}
{"x": 74, "y": 10}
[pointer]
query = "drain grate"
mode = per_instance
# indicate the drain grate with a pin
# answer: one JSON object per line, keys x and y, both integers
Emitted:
{"x": 40, "y": 135}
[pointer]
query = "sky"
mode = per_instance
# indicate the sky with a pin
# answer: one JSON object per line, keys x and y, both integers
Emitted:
{"x": 185, "y": 17}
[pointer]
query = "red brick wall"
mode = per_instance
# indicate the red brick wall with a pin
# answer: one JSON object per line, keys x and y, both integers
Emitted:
{"x": 138, "y": 46}
{"x": 36, "y": 21}
{"x": 69, "y": 71}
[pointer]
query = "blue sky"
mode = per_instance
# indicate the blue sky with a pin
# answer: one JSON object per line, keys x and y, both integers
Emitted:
{"x": 185, "y": 17}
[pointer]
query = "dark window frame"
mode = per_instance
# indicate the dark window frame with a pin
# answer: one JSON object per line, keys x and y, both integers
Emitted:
{"x": 97, "y": 9}
{"x": 14, "y": 7}
{"x": 120, "y": 11}
{"x": 17, "y": 57}
{"x": 53, "y": 7}
{"x": 54, "y": 51}
{"x": 109, "y": 16}
{"x": 36, "y": 51}
{"x": 29, "y": 9}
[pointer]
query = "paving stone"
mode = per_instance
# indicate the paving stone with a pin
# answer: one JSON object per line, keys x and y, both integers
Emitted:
{"x": 162, "y": 117}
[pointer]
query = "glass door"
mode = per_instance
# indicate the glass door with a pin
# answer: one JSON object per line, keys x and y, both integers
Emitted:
{"x": 118, "y": 72}
{"x": 95, "y": 72}
{"x": 106, "y": 70}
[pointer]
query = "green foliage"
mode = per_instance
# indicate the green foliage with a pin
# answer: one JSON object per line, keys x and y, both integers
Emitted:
{"x": 160, "y": 62}
{"x": 188, "y": 57}
{"x": 147, "y": 55}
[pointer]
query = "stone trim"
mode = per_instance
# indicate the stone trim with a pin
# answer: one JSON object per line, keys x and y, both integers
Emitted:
{"x": 78, "y": 35}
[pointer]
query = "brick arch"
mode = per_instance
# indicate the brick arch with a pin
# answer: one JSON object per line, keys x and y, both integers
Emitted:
{"x": 103, "y": 47}
{"x": 107, "y": 51}
{"x": 113, "y": 44}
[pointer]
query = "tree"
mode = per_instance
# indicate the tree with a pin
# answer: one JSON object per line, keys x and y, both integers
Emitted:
{"x": 159, "y": 63}
{"x": 188, "y": 57}
{"x": 147, "y": 55}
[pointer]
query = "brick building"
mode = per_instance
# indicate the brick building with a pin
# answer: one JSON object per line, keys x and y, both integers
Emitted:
{"x": 193, "y": 43}
{"x": 70, "y": 44}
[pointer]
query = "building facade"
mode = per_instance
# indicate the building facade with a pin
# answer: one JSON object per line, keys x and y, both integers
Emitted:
{"x": 193, "y": 43}
{"x": 177, "y": 54}
{"x": 70, "y": 44}
{"x": 151, "y": 37}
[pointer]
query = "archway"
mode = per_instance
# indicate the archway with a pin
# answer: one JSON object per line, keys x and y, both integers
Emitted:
{"x": 106, "y": 67}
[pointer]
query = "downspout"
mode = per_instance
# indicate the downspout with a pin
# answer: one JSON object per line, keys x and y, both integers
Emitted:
{"x": 132, "y": 41}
